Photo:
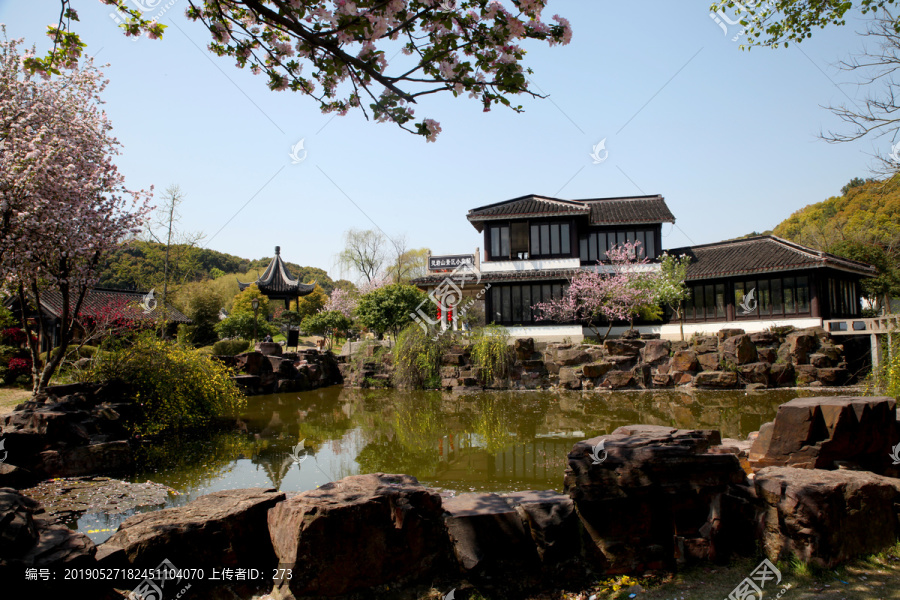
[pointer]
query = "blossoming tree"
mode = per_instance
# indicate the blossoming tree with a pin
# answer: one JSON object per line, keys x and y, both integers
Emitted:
{"x": 63, "y": 204}
{"x": 618, "y": 291}
{"x": 344, "y": 53}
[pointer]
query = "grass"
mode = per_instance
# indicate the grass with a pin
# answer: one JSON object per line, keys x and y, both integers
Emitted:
{"x": 10, "y": 397}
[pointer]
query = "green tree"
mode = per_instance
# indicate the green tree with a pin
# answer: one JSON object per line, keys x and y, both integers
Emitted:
{"x": 668, "y": 286}
{"x": 886, "y": 283}
{"x": 241, "y": 326}
{"x": 204, "y": 313}
{"x": 328, "y": 324}
{"x": 310, "y": 304}
{"x": 390, "y": 308}
{"x": 243, "y": 302}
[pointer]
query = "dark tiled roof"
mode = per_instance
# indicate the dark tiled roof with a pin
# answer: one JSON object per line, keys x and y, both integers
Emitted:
{"x": 277, "y": 281}
{"x": 637, "y": 210}
{"x": 497, "y": 276}
{"x": 763, "y": 254}
{"x": 101, "y": 302}
{"x": 602, "y": 211}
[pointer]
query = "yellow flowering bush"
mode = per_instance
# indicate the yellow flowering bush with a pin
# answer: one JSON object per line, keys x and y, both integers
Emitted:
{"x": 175, "y": 386}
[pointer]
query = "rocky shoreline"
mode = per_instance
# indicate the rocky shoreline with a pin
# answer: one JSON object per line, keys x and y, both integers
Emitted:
{"x": 731, "y": 359}
{"x": 817, "y": 484}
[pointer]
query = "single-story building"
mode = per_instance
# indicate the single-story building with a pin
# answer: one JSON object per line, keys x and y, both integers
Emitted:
{"x": 534, "y": 244}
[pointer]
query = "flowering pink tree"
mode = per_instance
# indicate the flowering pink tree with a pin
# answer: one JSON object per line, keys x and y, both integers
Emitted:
{"x": 347, "y": 48}
{"x": 375, "y": 283}
{"x": 617, "y": 292}
{"x": 63, "y": 204}
{"x": 341, "y": 301}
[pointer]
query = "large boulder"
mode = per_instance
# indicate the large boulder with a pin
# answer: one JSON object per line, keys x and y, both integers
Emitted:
{"x": 710, "y": 362}
{"x": 813, "y": 433}
{"x": 800, "y": 344}
{"x": 826, "y": 517}
{"x": 570, "y": 378}
{"x": 647, "y": 483}
{"x": 555, "y": 529}
{"x": 524, "y": 348}
{"x": 705, "y": 343}
{"x": 221, "y": 529}
{"x": 655, "y": 351}
{"x": 269, "y": 348}
{"x": 739, "y": 350}
{"x": 782, "y": 374}
{"x": 253, "y": 363}
{"x": 716, "y": 379}
{"x": 622, "y": 347}
{"x": 685, "y": 360}
{"x": 615, "y": 380}
{"x": 361, "y": 532}
{"x": 593, "y": 370}
{"x": 757, "y": 372}
{"x": 573, "y": 356}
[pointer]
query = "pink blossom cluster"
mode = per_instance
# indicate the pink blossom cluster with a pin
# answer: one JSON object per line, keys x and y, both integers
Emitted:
{"x": 375, "y": 283}
{"x": 342, "y": 301}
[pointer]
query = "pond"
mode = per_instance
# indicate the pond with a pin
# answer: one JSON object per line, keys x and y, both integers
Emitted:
{"x": 486, "y": 441}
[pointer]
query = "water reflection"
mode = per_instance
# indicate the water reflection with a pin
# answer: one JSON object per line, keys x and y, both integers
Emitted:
{"x": 486, "y": 441}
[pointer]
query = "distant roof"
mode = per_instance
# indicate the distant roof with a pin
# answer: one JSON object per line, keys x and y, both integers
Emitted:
{"x": 601, "y": 211}
{"x": 464, "y": 278}
{"x": 276, "y": 281}
{"x": 98, "y": 302}
{"x": 762, "y": 254}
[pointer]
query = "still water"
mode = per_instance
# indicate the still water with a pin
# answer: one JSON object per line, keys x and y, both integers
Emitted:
{"x": 485, "y": 441}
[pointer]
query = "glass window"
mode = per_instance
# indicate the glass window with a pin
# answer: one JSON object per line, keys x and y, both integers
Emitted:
{"x": 495, "y": 242}
{"x": 689, "y": 306}
{"x": 803, "y": 294}
{"x": 738, "y": 296}
{"x": 536, "y": 240}
{"x": 601, "y": 245}
{"x": 554, "y": 238}
{"x": 545, "y": 292}
{"x": 777, "y": 307}
{"x": 526, "y": 303}
{"x": 516, "y": 292}
{"x": 790, "y": 306}
{"x": 720, "y": 300}
{"x": 506, "y": 311}
{"x": 545, "y": 239}
{"x": 535, "y": 294}
{"x": 641, "y": 237}
{"x": 651, "y": 244}
{"x": 495, "y": 304}
{"x": 583, "y": 249}
{"x": 765, "y": 298}
{"x": 565, "y": 243}
{"x": 519, "y": 240}
{"x": 854, "y": 296}
{"x": 709, "y": 299}
{"x": 620, "y": 238}
{"x": 556, "y": 291}
{"x": 593, "y": 251}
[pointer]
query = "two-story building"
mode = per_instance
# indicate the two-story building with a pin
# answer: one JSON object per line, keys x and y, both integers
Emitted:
{"x": 534, "y": 244}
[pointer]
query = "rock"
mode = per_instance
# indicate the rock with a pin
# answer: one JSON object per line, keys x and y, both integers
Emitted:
{"x": 108, "y": 457}
{"x": 361, "y": 532}
{"x": 805, "y": 374}
{"x": 833, "y": 352}
{"x": 812, "y": 433}
{"x": 724, "y": 334}
{"x": 678, "y": 345}
{"x": 490, "y": 541}
{"x": 29, "y": 539}
{"x": 643, "y": 375}
{"x": 685, "y": 360}
{"x": 554, "y": 526}
{"x": 782, "y": 374}
{"x": 12, "y": 476}
{"x": 575, "y": 356}
{"x": 452, "y": 358}
{"x": 524, "y": 348}
{"x": 801, "y": 344}
{"x": 825, "y": 518}
{"x": 682, "y": 378}
{"x": 835, "y": 376}
{"x": 755, "y": 373}
{"x": 705, "y": 343}
{"x": 570, "y": 378}
{"x": 269, "y": 348}
{"x": 768, "y": 355}
{"x": 710, "y": 362}
{"x": 615, "y": 380}
{"x": 221, "y": 529}
{"x": 623, "y": 347}
{"x": 662, "y": 379}
{"x": 552, "y": 367}
{"x": 819, "y": 360}
{"x": 253, "y": 363}
{"x": 716, "y": 379}
{"x": 655, "y": 350}
{"x": 739, "y": 350}
{"x": 763, "y": 337}
{"x": 652, "y": 482}
{"x": 593, "y": 370}
{"x": 630, "y": 334}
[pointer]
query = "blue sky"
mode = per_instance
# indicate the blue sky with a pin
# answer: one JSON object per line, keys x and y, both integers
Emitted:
{"x": 728, "y": 137}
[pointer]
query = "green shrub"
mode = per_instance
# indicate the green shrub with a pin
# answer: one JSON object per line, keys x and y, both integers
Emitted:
{"x": 175, "y": 386}
{"x": 73, "y": 353}
{"x": 417, "y": 358}
{"x": 491, "y": 354}
{"x": 887, "y": 378}
{"x": 230, "y": 347}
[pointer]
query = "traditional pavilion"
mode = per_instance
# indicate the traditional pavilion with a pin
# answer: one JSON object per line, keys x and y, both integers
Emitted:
{"x": 277, "y": 284}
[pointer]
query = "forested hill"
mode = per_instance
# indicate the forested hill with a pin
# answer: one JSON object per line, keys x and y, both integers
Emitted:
{"x": 863, "y": 223}
{"x": 140, "y": 265}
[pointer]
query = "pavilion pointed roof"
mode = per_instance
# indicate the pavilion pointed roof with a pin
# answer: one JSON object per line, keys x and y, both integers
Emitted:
{"x": 276, "y": 282}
